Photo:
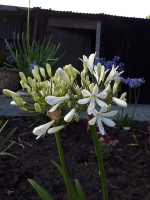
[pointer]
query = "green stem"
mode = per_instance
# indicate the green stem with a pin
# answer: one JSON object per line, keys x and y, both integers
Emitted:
{"x": 129, "y": 98}
{"x": 63, "y": 163}
{"x": 100, "y": 162}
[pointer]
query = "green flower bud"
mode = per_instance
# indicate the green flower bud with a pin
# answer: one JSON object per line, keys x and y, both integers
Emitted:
{"x": 25, "y": 109}
{"x": 82, "y": 75}
{"x": 44, "y": 92}
{"x": 48, "y": 68}
{"x": 35, "y": 95}
{"x": 69, "y": 104}
{"x": 91, "y": 86}
{"x": 18, "y": 100}
{"x": 76, "y": 117}
{"x": 32, "y": 83}
{"x": 22, "y": 84}
{"x": 42, "y": 70}
{"x": 10, "y": 93}
{"x": 37, "y": 108}
{"x": 99, "y": 69}
{"x": 109, "y": 107}
{"x": 71, "y": 70}
{"x": 36, "y": 70}
{"x": 115, "y": 87}
{"x": 45, "y": 84}
{"x": 22, "y": 76}
{"x": 123, "y": 95}
{"x": 85, "y": 66}
{"x": 29, "y": 89}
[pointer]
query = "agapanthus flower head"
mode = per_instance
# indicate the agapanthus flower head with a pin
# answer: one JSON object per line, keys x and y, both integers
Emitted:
{"x": 11, "y": 46}
{"x": 133, "y": 82}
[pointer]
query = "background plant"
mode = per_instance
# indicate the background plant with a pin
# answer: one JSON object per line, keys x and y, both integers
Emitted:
{"x": 2, "y": 147}
{"x": 134, "y": 84}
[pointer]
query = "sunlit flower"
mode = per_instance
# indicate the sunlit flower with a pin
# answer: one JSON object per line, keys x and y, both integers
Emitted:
{"x": 95, "y": 96}
{"x": 56, "y": 101}
{"x": 96, "y": 74}
{"x": 41, "y": 130}
{"x": 100, "y": 116}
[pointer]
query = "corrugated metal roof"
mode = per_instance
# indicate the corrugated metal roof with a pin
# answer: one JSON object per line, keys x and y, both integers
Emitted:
{"x": 94, "y": 15}
{"x": 12, "y": 8}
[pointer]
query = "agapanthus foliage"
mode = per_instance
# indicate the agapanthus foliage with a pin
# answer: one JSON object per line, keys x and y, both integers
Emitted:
{"x": 62, "y": 92}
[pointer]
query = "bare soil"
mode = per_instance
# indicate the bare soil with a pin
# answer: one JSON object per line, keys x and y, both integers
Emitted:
{"x": 127, "y": 167}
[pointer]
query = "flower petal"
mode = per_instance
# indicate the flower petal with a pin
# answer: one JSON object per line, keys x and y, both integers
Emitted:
{"x": 108, "y": 122}
{"x": 84, "y": 101}
{"x": 41, "y": 130}
{"x": 55, "y": 129}
{"x": 55, "y": 106}
{"x": 95, "y": 112}
{"x": 53, "y": 100}
{"x": 100, "y": 125}
{"x": 92, "y": 121}
{"x": 100, "y": 102}
{"x": 103, "y": 109}
{"x": 91, "y": 106}
{"x": 86, "y": 93}
{"x": 109, "y": 114}
{"x": 70, "y": 115}
{"x": 102, "y": 95}
{"x": 95, "y": 90}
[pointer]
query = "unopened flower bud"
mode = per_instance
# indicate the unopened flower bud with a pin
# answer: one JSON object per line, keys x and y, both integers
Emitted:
{"x": 22, "y": 76}
{"x": 48, "y": 68}
{"x": 63, "y": 76}
{"x": 37, "y": 108}
{"x": 45, "y": 84}
{"x": 25, "y": 109}
{"x": 76, "y": 117}
{"x": 120, "y": 102}
{"x": 32, "y": 83}
{"x": 91, "y": 86}
{"x": 82, "y": 75}
{"x": 28, "y": 89}
{"x": 69, "y": 104}
{"x": 35, "y": 95}
{"x": 22, "y": 84}
{"x": 115, "y": 87}
{"x": 123, "y": 95}
{"x": 99, "y": 69}
{"x": 10, "y": 93}
{"x": 125, "y": 99}
{"x": 109, "y": 107}
{"x": 71, "y": 70}
{"x": 108, "y": 89}
{"x": 42, "y": 70}
{"x": 36, "y": 69}
{"x": 18, "y": 100}
{"x": 85, "y": 66}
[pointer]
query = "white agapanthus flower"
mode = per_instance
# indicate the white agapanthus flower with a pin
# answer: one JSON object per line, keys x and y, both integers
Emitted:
{"x": 70, "y": 115}
{"x": 101, "y": 116}
{"x": 56, "y": 101}
{"x": 89, "y": 61}
{"x": 114, "y": 74}
{"x": 41, "y": 130}
{"x": 99, "y": 78}
{"x": 120, "y": 102}
{"x": 92, "y": 98}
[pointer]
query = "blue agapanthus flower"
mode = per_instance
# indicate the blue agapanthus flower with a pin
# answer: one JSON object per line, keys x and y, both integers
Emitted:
{"x": 10, "y": 59}
{"x": 32, "y": 66}
{"x": 133, "y": 82}
{"x": 11, "y": 46}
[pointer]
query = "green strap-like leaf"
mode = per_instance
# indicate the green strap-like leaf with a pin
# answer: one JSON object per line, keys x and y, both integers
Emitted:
{"x": 73, "y": 191}
{"x": 43, "y": 194}
{"x": 8, "y": 136}
{"x": 3, "y": 125}
{"x": 79, "y": 190}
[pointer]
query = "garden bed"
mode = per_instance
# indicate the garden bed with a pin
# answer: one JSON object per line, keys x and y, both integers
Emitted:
{"x": 127, "y": 167}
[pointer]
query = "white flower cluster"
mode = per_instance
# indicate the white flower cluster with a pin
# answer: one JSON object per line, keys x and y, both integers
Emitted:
{"x": 62, "y": 91}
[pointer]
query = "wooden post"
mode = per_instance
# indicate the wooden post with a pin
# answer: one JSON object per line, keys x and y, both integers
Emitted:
{"x": 98, "y": 35}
